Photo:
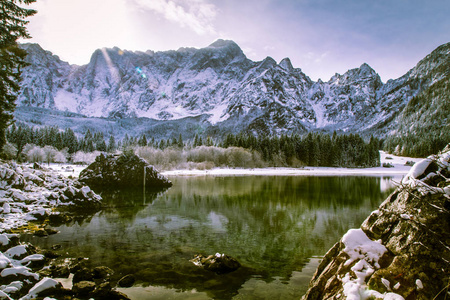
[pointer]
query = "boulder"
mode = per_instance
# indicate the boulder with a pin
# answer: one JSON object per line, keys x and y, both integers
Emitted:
{"x": 401, "y": 251}
{"x": 60, "y": 271}
{"x": 102, "y": 272}
{"x": 102, "y": 291}
{"x": 83, "y": 274}
{"x": 218, "y": 263}
{"x": 126, "y": 281}
{"x": 126, "y": 170}
{"x": 83, "y": 288}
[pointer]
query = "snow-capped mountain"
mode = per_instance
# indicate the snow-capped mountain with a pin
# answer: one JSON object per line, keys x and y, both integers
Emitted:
{"x": 227, "y": 89}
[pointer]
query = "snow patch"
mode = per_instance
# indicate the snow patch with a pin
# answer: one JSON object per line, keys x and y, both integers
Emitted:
{"x": 359, "y": 247}
{"x": 16, "y": 251}
{"x": 419, "y": 284}
{"x": 218, "y": 114}
{"x": 66, "y": 101}
{"x": 44, "y": 284}
{"x": 417, "y": 170}
{"x": 4, "y": 239}
{"x": 366, "y": 253}
{"x": 20, "y": 270}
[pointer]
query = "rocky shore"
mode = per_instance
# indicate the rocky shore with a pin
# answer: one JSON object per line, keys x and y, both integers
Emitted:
{"x": 402, "y": 250}
{"x": 32, "y": 199}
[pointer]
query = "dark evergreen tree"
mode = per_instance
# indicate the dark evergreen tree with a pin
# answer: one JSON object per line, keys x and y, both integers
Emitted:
{"x": 19, "y": 136}
{"x": 196, "y": 143}
{"x": 153, "y": 143}
{"x": 142, "y": 141}
{"x": 174, "y": 142}
{"x": 180, "y": 142}
{"x": 12, "y": 28}
{"x": 111, "y": 144}
{"x": 162, "y": 144}
{"x": 125, "y": 141}
{"x": 101, "y": 146}
{"x": 87, "y": 144}
{"x": 209, "y": 142}
{"x": 70, "y": 140}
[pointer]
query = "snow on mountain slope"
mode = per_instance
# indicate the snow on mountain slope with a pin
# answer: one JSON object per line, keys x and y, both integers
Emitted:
{"x": 220, "y": 82}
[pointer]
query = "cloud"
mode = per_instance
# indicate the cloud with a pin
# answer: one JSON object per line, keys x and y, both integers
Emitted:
{"x": 197, "y": 15}
{"x": 315, "y": 57}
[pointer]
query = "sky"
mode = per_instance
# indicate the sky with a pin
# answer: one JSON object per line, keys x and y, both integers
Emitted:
{"x": 322, "y": 37}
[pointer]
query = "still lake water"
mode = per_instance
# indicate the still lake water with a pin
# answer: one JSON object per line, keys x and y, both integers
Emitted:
{"x": 276, "y": 227}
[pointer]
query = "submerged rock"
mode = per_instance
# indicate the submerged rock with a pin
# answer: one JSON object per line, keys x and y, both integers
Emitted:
{"x": 218, "y": 263}
{"x": 126, "y": 170}
{"x": 126, "y": 281}
{"x": 83, "y": 288}
{"x": 402, "y": 250}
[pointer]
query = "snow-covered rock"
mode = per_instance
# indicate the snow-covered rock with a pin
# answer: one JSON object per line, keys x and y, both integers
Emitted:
{"x": 45, "y": 191}
{"x": 401, "y": 251}
{"x": 45, "y": 284}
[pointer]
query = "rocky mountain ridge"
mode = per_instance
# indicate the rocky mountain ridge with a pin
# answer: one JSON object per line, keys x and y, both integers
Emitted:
{"x": 220, "y": 84}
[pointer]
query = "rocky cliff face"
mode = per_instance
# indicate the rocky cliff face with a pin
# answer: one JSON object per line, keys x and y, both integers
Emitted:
{"x": 402, "y": 250}
{"x": 219, "y": 82}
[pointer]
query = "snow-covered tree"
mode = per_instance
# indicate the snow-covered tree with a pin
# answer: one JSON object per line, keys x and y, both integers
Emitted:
{"x": 35, "y": 154}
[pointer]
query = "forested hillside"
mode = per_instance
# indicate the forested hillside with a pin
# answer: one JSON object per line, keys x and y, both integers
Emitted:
{"x": 424, "y": 125}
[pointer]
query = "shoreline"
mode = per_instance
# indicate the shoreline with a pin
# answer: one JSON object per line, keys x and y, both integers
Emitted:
{"x": 314, "y": 171}
{"x": 398, "y": 168}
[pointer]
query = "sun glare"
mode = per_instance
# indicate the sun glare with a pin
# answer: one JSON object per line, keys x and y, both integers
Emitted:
{"x": 84, "y": 25}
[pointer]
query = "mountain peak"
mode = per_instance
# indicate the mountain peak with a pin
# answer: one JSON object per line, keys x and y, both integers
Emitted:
{"x": 38, "y": 54}
{"x": 31, "y": 46}
{"x": 223, "y": 43}
{"x": 267, "y": 63}
{"x": 286, "y": 64}
{"x": 365, "y": 67}
{"x": 227, "y": 47}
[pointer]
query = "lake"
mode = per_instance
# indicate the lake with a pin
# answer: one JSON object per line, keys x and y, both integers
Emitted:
{"x": 277, "y": 227}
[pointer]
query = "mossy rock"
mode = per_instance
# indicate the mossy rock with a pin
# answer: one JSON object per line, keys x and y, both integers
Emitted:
{"x": 126, "y": 170}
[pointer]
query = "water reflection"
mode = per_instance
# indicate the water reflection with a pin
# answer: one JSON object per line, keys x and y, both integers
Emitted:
{"x": 273, "y": 225}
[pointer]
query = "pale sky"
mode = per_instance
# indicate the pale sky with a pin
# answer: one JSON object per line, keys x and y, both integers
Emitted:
{"x": 322, "y": 37}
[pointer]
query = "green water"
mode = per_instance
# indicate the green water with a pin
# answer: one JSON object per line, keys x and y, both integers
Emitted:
{"x": 277, "y": 228}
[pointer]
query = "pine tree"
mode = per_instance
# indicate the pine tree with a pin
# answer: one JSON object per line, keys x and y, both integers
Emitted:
{"x": 180, "y": 142}
{"x": 12, "y": 27}
{"x": 162, "y": 144}
{"x": 209, "y": 141}
{"x": 126, "y": 141}
{"x": 196, "y": 141}
{"x": 153, "y": 143}
{"x": 70, "y": 140}
{"x": 101, "y": 145}
{"x": 111, "y": 144}
{"x": 142, "y": 140}
{"x": 88, "y": 142}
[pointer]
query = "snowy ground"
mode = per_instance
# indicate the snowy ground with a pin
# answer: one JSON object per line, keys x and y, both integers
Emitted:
{"x": 65, "y": 169}
{"x": 398, "y": 163}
